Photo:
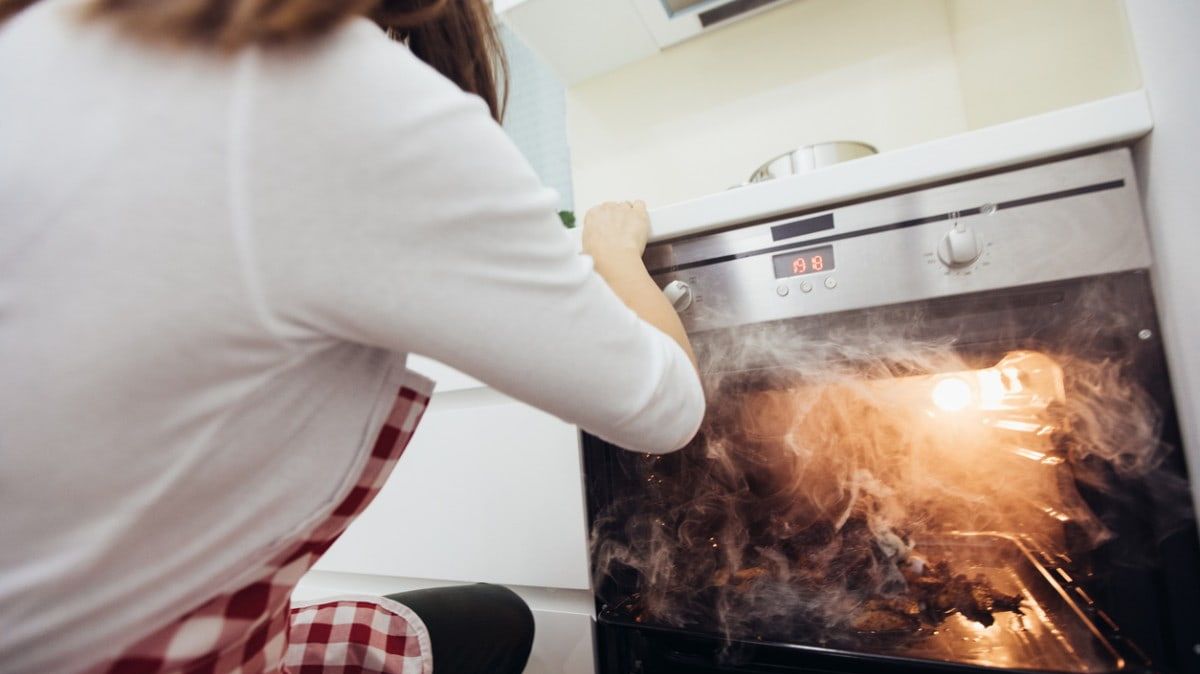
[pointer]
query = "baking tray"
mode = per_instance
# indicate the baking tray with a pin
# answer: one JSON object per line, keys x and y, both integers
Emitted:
{"x": 1054, "y": 633}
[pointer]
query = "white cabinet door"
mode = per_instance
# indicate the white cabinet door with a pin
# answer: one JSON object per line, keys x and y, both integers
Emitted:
{"x": 562, "y": 644}
{"x": 489, "y": 489}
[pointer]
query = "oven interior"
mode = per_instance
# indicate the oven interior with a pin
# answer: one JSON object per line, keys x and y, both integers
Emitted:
{"x": 984, "y": 481}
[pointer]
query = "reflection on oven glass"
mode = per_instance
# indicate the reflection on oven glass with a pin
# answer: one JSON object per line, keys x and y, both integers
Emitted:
{"x": 875, "y": 492}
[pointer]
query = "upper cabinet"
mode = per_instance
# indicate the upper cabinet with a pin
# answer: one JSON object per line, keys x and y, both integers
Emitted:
{"x": 581, "y": 39}
{"x": 668, "y": 121}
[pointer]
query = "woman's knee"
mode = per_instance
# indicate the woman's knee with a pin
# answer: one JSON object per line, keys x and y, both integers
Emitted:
{"x": 474, "y": 629}
{"x": 511, "y": 614}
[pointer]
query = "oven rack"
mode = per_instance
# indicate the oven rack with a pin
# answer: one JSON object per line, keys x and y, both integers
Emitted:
{"x": 1061, "y": 629}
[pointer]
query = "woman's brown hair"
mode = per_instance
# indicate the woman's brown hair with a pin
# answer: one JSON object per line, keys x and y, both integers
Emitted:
{"x": 456, "y": 37}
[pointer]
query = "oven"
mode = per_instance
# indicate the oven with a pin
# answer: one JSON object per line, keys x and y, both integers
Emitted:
{"x": 940, "y": 437}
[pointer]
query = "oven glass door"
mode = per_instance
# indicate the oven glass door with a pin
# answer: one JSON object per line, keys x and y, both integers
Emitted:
{"x": 986, "y": 481}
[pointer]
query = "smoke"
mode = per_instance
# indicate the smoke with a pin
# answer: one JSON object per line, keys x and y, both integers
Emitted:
{"x": 826, "y": 462}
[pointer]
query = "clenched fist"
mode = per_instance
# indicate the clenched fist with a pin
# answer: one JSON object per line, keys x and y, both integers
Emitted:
{"x": 616, "y": 227}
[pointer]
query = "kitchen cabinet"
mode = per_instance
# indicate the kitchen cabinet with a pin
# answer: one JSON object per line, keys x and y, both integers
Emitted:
{"x": 488, "y": 490}
{"x": 581, "y": 39}
{"x": 447, "y": 378}
{"x": 700, "y": 116}
{"x": 1164, "y": 33}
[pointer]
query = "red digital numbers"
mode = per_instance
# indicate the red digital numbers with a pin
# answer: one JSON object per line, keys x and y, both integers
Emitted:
{"x": 801, "y": 264}
{"x": 811, "y": 261}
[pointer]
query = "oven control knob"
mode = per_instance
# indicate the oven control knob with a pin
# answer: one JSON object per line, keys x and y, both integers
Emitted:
{"x": 679, "y": 294}
{"x": 960, "y": 247}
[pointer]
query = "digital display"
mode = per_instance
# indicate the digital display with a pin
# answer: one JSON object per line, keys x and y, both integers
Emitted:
{"x": 800, "y": 262}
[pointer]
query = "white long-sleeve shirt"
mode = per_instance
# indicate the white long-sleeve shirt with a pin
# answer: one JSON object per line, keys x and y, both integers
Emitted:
{"x": 210, "y": 271}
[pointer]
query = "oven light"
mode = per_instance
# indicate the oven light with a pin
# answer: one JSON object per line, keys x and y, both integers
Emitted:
{"x": 952, "y": 394}
{"x": 1022, "y": 380}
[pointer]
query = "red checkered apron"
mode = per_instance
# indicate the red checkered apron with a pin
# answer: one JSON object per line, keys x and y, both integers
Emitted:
{"x": 255, "y": 629}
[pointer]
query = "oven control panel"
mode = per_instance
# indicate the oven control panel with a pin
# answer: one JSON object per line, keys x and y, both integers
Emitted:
{"x": 1066, "y": 219}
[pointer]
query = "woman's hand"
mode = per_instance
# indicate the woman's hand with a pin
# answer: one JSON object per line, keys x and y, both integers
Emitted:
{"x": 616, "y": 228}
{"x": 615, "y": 235}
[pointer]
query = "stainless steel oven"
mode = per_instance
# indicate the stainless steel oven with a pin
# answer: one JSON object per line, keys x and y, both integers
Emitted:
{"x": 940, "y": 437}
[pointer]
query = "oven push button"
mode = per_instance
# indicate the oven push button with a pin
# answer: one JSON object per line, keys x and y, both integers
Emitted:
{"x": 782, "y": 290}
{"x": 830, "y": 282}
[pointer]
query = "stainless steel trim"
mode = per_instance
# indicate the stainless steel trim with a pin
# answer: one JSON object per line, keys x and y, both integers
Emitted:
{"x": 1031, "y": 241}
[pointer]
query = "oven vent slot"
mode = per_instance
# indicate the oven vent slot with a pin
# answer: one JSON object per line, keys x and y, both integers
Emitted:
{"x": 975, "y": 304}
{"x": 730, "y": 10}
{"x": 802, "y": 227}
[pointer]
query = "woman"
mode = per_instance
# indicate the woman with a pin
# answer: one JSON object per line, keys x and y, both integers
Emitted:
{"x": 224, "y": 224}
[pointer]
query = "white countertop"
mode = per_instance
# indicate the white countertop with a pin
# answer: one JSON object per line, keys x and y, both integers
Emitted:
{"x": 1108, "y": 121}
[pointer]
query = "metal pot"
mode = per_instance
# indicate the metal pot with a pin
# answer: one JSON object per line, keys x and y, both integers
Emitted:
{"x": 811, "y": 157}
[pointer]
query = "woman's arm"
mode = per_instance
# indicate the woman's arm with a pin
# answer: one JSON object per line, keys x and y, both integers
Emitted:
{"x": 412, "y": 223}
{"x": 615, "y": 235}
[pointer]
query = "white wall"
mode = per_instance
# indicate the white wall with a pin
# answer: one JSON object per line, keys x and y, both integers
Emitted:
{"x": 1019, "y": 58}
{"x": 1164, "y": 33}
{"x": 700, "y": 116}
{"x": 536, "y": 116}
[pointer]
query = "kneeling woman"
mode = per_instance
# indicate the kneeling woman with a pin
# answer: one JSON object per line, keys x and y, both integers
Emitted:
{"x": 226, "y": 222}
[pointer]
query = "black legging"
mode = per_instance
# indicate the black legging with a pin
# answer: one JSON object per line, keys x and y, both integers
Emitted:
{"x": 474, "y": 629}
